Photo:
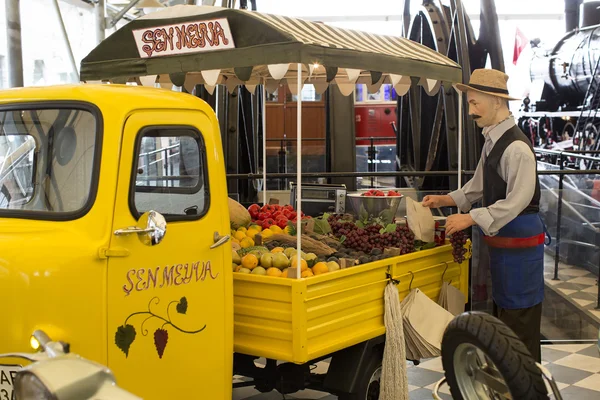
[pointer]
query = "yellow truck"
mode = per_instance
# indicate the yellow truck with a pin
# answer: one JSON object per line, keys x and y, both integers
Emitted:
{"x": 114, "y": 232}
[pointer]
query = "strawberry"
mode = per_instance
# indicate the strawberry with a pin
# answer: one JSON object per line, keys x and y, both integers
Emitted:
{"x": 161, "y": 337}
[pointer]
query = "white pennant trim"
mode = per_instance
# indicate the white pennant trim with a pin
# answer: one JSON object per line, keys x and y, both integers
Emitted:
{"x": 148, "y": 80}
{"x": 353, "y": 74}
{"x": 251, "y": 88}
{"x": 209, "y": 88}
{"x": 211, "y": 76}
{"x": 395, "y": 79}
{"x": 346, "y": 88}
{"x": 320, "y": 87}
{"x": 278, "y": 71}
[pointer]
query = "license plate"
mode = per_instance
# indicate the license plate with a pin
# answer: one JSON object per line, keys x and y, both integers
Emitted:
{"x": 8, "y": 374}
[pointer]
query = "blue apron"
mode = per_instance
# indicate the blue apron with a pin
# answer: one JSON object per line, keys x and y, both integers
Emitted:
{"x": 518, "y": 273}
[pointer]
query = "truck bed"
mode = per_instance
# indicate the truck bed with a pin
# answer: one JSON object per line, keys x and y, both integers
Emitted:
{"x": 298, "y": 320}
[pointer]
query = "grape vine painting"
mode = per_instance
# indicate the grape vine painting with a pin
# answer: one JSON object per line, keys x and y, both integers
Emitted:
{"x": 126, "y": 333}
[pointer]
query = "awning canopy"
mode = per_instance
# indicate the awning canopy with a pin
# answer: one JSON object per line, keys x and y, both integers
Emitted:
{"x": 189, "y": 45}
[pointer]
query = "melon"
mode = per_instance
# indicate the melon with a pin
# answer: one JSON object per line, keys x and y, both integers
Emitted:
{"x": 238, "y": 215}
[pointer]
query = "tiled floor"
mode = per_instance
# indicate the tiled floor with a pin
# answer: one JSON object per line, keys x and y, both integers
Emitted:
{"x": 576, "y": 285}
{"x": 575, "y": 367}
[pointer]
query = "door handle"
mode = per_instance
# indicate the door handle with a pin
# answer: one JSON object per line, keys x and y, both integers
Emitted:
{"x": 133, "y": 229}
{"x": 219, "y": 240}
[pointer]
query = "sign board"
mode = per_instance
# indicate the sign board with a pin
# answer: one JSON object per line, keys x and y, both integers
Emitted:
{"x": 183, "y": 38}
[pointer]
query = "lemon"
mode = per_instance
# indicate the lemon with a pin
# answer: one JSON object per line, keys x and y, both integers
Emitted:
{"x": 303, "y": 264}
{"x": 256, "y": 227}
{"x": 239, "y": 235}
{"x": 274, "y": 272}
{"x": 275, "y": 229}
{"x": 277, "y": 250}
{"x": 307, "y": 274}
{"x": 242, "y": 229}
{"x": 320, "y": 268}
{"x": 251, "y": 233}
{"x": 249, "y": 261}
{"x": 267, "y": 233}
{"x": 246, "y": 242}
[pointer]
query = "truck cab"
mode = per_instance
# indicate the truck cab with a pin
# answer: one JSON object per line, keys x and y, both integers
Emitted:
{"x": 113, "y": 220}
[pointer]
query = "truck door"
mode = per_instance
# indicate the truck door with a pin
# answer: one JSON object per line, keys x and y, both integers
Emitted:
{"x": 170, "y": 312}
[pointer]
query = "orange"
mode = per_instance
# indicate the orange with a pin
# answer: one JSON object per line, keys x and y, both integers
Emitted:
{"x": 277, "y": 250}
{"x": 320, "y": 268}
{"x": 303, "y": 264}
{"x": 284, "y": 273}
{"x": 249, "y": 261}
{"x": 274, "y": 272}
{"x": 307, "y": 274}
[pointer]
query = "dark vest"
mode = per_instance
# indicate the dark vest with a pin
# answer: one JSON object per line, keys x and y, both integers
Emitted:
{"x": 494, "y": 187}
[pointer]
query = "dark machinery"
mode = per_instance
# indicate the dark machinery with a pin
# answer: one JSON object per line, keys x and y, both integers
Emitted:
{"x": 561, "y": 110}
{"x": 429, "y": 124}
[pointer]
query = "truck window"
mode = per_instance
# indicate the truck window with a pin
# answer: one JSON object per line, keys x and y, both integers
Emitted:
{"x": 171, "y": 174}
{"x": 47, "y": 162}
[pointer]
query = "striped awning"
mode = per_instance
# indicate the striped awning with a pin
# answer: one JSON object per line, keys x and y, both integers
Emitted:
{"x": 189, "y": 45}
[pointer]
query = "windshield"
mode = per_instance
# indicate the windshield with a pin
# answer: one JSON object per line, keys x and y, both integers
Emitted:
{"x": 46, "y": 159}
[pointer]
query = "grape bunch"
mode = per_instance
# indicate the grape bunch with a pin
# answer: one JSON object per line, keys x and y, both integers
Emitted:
{"x": 458, "y": 241}
{"x": 358, "y": 239}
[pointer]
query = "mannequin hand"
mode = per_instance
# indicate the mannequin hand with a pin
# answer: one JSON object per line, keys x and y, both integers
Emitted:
{"x": 458, "y": 222}
{"x": 436, "y": 201}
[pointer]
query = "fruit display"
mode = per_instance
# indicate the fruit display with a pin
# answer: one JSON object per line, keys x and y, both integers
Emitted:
{"x": 246, "y": 237}
{"x": 373, "y": 236}
{"x": 380, "y": 193}
{"x": 266, "y": 245}
{"x": 273, "y": 214}
{"x": 275, "y": 262}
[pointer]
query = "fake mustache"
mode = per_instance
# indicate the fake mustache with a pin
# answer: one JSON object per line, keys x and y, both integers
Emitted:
{"x": 475, "y": 116}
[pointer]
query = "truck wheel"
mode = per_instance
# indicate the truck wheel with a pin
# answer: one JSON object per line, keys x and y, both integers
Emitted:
{"x": 369, "y": 383}
{"x": 484, "y": 359}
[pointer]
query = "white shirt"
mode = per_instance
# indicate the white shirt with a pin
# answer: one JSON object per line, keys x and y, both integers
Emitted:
{"x": 517, "y": 167}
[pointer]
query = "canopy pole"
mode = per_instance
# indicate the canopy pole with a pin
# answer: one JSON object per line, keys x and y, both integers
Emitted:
{"x": 264, "y": 137}
{"x": 299, "y": 172}
{"x": 460, "y": 134}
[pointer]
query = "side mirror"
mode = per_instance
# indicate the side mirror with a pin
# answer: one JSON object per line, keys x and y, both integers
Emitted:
{"x": 151, "y": 228}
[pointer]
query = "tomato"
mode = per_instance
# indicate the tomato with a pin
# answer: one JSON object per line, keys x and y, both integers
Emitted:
{"x": 266, "y": 224}
{"x": 288, "y": 207}
{"x": 281, "y": 222}
{"x": 293, "y": 215}
{"x": 264, "y": 215}
{"x": 276, "y": 214}
{"x": 287, "y": 213}
{"x": 393, "y": 193}
{"x": 267, "y": 208}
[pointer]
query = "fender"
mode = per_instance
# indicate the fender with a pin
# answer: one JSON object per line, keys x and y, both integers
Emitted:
{"x": 347, "y": 365}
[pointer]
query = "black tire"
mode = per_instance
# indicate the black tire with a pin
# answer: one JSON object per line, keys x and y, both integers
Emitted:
{"x": 366, "y": 389}
{"x": 501, "y": 345}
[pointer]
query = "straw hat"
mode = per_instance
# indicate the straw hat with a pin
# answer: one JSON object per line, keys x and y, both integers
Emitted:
{"x": 488, "y": 81}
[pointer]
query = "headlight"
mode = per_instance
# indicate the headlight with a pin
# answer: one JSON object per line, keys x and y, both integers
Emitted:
{"x": 30, "y": 387}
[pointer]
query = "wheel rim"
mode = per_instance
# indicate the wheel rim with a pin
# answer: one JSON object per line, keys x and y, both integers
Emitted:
{"x": 477, "y": 376}
{"x": 374, "y": 385}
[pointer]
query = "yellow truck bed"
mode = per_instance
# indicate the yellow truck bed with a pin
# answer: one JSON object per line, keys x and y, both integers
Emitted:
{"x": 298, "y": 320}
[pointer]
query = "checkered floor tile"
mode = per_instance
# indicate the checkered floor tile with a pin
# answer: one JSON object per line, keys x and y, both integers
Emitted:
{"x": 574, "y": 284}
{"x": 575, "y": 367}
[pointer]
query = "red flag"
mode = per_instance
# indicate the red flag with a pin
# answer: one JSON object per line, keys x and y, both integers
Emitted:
{"x": 520, "y": 44}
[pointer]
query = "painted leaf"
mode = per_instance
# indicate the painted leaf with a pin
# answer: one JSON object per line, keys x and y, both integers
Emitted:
{"x": 161, "y": 337}
{"x": 124, "y": 336}
{"x": 182, "y": 306}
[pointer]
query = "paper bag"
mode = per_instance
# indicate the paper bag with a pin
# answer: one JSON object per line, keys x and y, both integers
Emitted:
{"x": 455, "y": 300}
{"x": 420, "y": 221}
